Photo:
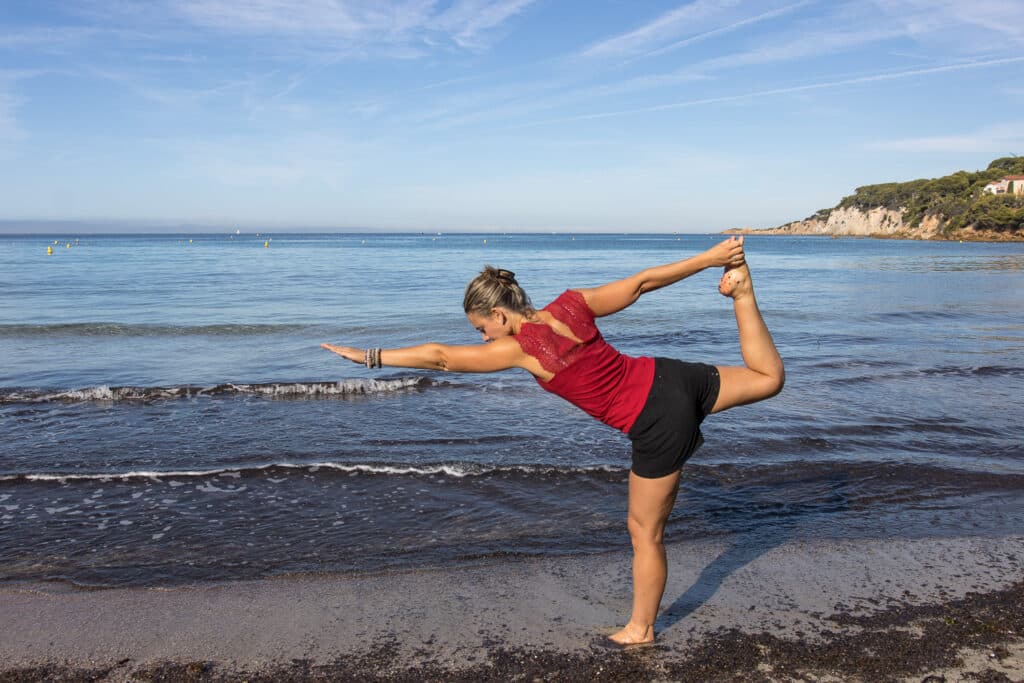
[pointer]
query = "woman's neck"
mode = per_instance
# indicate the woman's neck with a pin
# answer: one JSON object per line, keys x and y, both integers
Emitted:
{"x": 517, "y": 320}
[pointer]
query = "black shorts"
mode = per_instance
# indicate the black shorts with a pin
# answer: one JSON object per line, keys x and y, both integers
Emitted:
{"x": 667, "y": 431}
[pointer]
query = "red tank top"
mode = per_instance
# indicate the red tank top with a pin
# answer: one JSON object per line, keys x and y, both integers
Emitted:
{"x": 591, "y": 375}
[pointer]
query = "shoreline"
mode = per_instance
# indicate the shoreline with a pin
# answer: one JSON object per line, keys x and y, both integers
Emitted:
{"x": 910, "y": 236}
{"x": 745, "y": 607}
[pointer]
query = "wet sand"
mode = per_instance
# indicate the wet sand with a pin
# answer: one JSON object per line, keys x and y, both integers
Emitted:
{"x": 736, "y": 608}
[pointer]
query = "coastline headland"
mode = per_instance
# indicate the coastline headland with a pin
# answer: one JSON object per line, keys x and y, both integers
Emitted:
{"x": 967, "y": 206}
{"x": 879, "y": 222}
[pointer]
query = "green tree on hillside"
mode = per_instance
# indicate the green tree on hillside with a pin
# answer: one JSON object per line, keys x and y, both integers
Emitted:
{"x": 957, "y": 200}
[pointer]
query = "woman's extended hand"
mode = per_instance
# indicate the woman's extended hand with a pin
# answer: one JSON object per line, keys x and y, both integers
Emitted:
{"x": 350, "y": 352}
{"x": 727, "y": 253}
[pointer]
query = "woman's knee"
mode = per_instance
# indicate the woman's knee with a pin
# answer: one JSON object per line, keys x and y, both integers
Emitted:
{"x": 775, "y": 382}
{"x": 645, "y": 534}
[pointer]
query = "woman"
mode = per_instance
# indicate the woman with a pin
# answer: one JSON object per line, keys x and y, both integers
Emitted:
{"x": 659, "y": 403}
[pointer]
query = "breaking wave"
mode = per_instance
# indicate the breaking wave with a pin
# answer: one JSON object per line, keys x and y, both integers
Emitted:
{"x": 453, "y": 470}
{"x": 278, "y": 390}
{"x": 116, "y": 329}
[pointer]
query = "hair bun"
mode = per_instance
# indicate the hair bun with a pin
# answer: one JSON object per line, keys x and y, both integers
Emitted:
{"x": 495, "y": 287}
{"x": 503, "y": 277}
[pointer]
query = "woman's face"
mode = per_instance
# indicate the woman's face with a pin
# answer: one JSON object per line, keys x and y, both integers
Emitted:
{"x": 490, "y": 327}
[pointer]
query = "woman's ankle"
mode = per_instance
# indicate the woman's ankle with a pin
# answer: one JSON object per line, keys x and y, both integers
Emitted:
{"x": 639, "y": 632}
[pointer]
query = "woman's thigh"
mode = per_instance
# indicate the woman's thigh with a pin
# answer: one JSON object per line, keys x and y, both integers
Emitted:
{"x": 739, "y": 386}
{"x": 650, "y": 503}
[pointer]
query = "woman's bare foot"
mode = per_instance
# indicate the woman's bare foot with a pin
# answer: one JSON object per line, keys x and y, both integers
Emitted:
{"x": 736, "y": 282}
{"x": 633, "y": 635}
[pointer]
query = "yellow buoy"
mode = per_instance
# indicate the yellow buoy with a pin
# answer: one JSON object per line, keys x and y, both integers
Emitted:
{"x": 266, "y": 244}
{"x": 485, "y": 241}
{"x": 190, "y": 241}
{"x": 49, "y": 251}
{"x": 68, "y": 245}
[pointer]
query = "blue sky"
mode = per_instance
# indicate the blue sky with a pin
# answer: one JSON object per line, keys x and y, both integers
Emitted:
{"x": 624, "y": 115}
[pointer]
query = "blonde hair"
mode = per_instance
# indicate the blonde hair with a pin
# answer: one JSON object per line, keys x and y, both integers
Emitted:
{"x": 495, "y": 287}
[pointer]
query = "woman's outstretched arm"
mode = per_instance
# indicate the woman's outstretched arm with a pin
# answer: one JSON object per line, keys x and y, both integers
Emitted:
{"x": 615, "y": 296}
{"x": 500, "y": 354}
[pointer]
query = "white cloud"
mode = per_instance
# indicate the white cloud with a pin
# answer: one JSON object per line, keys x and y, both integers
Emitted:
{"x": 11, "y": 131}
{"x": 1002, "y": 17}
{"x": 788, "y": 90}
{"x": 51, "y": 39}
{"x": 347, "y": 24}
{"x": 691, "y": 18}
{"x": 1002, "y": 138}
{"x": 468, "y": 20}
{"x": 281, "y": 16}
{"x": 808, "y": 45}
{"x": 734, "y": 26}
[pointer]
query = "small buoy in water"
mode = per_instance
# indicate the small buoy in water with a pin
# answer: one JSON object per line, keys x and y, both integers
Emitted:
{"x": 68, "y": 245}
{"x": 485, "y": 241}
{"x": 190, "y": 241}
{"x": 49, "y": 251}
{"x": 266, "y": 244}
{"x": 961, "y": 241}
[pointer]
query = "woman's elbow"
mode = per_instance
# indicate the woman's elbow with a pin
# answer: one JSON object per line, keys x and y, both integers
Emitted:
{"x": 438, "y": 358}
{"x": 645, "y": 282}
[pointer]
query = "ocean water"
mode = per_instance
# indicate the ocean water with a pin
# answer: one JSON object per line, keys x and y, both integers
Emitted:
{"x": 167, "y": 415}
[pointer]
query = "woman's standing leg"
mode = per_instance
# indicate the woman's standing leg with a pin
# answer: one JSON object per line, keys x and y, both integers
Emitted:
{"x": 763, "y": 373}
{"x": 650, "y": 502}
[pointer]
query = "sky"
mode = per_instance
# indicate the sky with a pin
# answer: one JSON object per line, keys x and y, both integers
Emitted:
{"x": 492, "y": 115}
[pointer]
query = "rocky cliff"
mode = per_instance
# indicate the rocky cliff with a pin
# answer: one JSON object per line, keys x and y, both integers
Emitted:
{"x": 960, "y": 205}
{"x": 879, "y": 222}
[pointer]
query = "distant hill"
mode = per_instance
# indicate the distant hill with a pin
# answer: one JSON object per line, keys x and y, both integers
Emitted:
{"x": 951, "y": 207}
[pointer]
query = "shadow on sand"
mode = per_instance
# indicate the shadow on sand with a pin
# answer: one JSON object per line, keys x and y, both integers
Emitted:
{"x": 762, "y": 523}
{"x": 744, "y": 549}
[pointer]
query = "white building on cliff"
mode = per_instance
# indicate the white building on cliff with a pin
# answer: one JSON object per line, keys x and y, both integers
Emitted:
{"x": 1008, "y": 184}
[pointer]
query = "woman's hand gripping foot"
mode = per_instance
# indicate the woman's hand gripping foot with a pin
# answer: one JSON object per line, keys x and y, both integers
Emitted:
{"x": 728, "y": 253}
{"x": 735, "y": 282}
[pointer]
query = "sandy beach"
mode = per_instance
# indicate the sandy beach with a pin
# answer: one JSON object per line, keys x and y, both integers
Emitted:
{"x": 737, "y": 608}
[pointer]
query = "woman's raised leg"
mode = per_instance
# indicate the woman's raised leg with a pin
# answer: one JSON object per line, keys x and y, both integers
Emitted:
{"x": 650, "y": 502}
{"x": 763, "y": 373}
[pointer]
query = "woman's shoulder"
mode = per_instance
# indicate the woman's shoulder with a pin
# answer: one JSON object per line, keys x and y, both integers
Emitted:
{"x": 570, "y": 297}
{"x": 573, "y": 301}
{"x": 570, "y": 308}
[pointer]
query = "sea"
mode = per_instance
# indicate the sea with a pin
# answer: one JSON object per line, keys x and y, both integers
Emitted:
{"x": 168, "y": 417}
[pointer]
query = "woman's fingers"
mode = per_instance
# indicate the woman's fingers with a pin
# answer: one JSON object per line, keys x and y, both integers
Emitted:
{"x": 340, "y": 350}
{"x": 730, "y": 252}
